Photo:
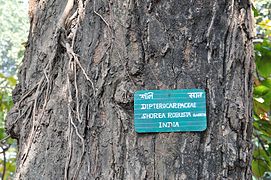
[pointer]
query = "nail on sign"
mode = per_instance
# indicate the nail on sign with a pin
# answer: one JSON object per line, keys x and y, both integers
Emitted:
{"x": 170, "y": 110}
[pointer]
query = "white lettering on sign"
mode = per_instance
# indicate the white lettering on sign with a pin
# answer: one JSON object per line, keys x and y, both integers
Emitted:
{"x": 169, "y": 115}
{"x": 168, "y": 105}
{"x": 148, "y": 95}
{"x": 195, "y": 95}
{"x": 178, "y": 114}
{"x": 199, "y": 115}
{"x": 153, "y": 115}
{"x": 168, "y": 124}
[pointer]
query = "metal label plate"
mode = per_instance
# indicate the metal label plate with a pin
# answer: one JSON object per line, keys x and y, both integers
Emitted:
{"x": 170, "y": 110}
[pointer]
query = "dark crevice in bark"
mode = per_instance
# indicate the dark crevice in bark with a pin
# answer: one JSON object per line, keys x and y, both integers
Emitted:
{"x": 226, "y": 50}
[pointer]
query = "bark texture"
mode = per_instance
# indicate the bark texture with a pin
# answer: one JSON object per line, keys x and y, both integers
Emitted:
{"x": 73, "y": 113}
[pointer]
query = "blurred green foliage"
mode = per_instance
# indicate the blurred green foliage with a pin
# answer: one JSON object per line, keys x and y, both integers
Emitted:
{"x": 13, "y": 32}
{"x": 261, "y": 164}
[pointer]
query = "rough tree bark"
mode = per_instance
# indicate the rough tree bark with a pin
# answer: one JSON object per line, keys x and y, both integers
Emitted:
{"x": 73, "y": 113}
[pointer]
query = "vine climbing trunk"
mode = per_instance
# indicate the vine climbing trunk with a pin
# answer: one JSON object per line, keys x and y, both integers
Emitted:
{"x": 73, "y": 112}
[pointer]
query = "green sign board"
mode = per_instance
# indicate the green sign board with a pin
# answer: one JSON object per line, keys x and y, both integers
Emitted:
{"x": 170, "y": 110}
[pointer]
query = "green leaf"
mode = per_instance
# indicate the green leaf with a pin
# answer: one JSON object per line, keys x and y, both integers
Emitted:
{"x": 260, "y": 108}
{"x": 264, "y": 67}
{"x": 263, "y": 58}
{"x": 255, "y": 11}
{"x": 2, "y": 76}
{"x": 265, "y": 24}
{"x": 10, "y": 141}
{"x": 266, "y": 138}
{"x": 261, "y": 162}
{"x": 266, "y": 82}
{"x": 267, "y": 98}
{"x": 2, "y": 133}
{"x": 259, "y": 167}
{"x": 12, "y": 81}
{"x": 261, "y": 90}
{"x": 263, "y": 126}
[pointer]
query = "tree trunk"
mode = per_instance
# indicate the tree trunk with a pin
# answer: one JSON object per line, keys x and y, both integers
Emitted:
{"x": 73, "y": 113}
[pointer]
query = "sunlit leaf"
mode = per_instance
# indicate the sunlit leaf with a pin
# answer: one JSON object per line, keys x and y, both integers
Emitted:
{"x": 261, "y": 90}
{"x": 260, "y": 100}
{"x": 266, "y": 24}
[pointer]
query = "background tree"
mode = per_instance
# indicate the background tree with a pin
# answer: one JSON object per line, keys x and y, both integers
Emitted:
{"x": 261, "y": 164}
{"x": 13, "y": 32}
{"x": 73, "y": 112}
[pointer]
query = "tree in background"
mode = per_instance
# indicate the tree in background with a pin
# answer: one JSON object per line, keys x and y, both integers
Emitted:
{"x": 261, "y": 164}
{"x": 13, "y": 32}
{"x": 73, "y": 112}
